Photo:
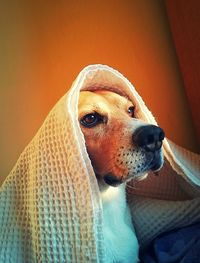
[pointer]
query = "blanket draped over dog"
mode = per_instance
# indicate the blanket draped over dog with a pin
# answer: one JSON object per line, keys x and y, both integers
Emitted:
{"x": 50, "y": 207}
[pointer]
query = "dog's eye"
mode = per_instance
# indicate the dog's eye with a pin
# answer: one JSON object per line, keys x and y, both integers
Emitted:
{"x": 90, "y": 120}
{"x": 131, "y": 111}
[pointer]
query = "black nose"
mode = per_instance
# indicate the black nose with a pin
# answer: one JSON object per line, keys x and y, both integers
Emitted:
{"x": 149, "y": 137}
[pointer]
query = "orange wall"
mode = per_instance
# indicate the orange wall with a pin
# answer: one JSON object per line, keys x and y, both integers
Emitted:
{"x": 46, "y": 43}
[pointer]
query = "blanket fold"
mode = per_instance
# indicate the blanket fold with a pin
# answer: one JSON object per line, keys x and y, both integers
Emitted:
{"x": 50, "y": 207}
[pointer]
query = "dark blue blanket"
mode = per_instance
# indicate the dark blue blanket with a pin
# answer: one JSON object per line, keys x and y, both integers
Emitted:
{"x": 177, "y": 246}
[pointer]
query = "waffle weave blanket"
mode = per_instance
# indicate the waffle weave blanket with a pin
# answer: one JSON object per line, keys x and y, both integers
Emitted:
{"x": 50, "y": 207}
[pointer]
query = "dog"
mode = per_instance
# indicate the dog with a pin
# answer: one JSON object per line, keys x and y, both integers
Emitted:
{"x": 121, "y": 147}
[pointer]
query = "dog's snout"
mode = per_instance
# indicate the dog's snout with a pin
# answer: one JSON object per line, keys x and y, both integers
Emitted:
{"x": 149, "y": 137}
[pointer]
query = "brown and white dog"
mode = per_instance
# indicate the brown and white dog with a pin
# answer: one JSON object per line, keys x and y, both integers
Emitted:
{"x": 121, "y": 148}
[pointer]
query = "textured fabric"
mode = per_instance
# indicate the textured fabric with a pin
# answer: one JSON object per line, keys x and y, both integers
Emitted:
{"x": 178, "y": 246}
{"x": 50, "y": 207}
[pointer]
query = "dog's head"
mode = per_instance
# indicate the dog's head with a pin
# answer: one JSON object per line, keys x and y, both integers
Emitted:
{"x": 120, "y": 146}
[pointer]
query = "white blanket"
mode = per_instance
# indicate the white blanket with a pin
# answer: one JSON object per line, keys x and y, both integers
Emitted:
{"x": 50, "y": 208}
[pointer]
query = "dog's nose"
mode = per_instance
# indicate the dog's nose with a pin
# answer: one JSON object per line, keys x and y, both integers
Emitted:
{"x": 149, "y": 137}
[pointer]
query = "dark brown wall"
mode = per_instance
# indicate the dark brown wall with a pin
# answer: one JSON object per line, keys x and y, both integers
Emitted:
{"x": 184, "y": 18}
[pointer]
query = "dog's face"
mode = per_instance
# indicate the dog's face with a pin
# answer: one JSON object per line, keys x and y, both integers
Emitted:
{"x": 120, "y": 146}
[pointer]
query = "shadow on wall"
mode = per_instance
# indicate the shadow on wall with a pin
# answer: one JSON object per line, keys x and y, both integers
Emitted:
{"x": 184, "y": 18}
{"x": 45, "y": 45}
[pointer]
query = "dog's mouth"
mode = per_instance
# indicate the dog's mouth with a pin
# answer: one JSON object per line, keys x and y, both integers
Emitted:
{"x": 157, "y": 162}
{"x": 154, "y": 165}
{"x": 112, "y": 180}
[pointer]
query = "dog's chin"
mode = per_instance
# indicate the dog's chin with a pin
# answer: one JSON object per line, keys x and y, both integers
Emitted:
{"x": 112, "y": 180}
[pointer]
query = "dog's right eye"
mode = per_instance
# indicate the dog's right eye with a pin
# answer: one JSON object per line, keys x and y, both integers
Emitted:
{"x": 131, "y": 111}
{"x": 91, "y": 120}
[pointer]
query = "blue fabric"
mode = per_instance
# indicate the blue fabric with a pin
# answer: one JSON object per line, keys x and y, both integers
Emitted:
{"x": 177, "y": 246}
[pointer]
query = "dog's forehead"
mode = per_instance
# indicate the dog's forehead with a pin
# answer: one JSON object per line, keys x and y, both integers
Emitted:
{"x": 102, "y": 97}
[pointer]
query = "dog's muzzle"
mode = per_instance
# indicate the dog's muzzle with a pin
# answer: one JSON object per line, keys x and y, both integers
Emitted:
{"x": 149, "y": 137}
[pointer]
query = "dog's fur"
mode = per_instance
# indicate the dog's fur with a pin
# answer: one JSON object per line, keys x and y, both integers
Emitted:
{"x": 115, "y": 159}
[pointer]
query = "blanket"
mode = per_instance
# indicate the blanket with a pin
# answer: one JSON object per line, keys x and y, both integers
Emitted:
{"x": 179, "y": 245}
{"x": 50, "y": 207}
